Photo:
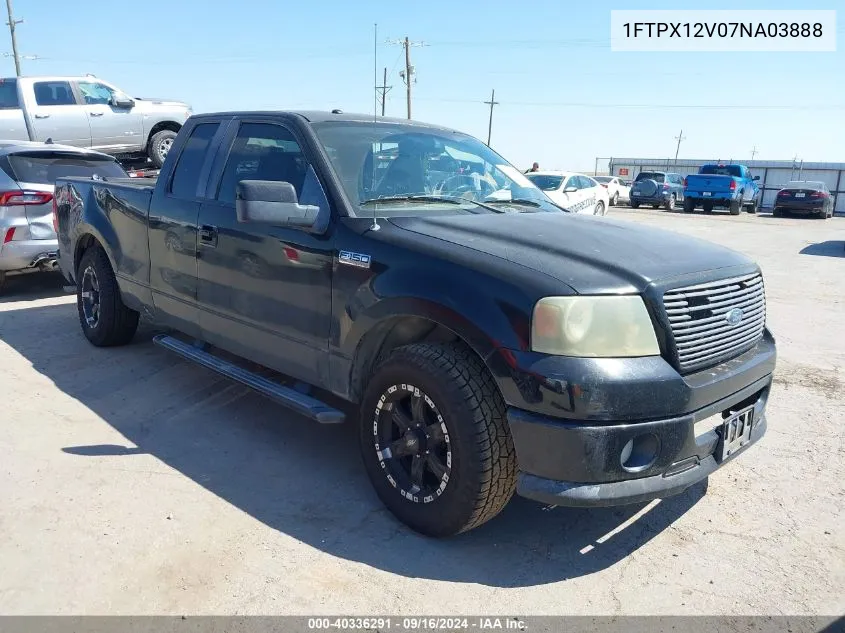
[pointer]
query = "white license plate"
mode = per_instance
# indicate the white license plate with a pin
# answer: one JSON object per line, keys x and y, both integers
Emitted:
{"x": 800, "y": 195}
{"x": 736, "y": 431}
{"x": 706, "y": 193}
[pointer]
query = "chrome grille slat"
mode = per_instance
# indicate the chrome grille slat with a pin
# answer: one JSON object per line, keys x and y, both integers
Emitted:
{"x": 697, "y": 315}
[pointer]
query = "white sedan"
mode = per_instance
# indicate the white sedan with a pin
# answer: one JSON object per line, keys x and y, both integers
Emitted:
{"x": 576, "y": 193}
{"x": 617, "y": 188}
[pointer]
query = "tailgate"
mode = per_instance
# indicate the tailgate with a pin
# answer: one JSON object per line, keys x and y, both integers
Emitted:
{"x": 709, "y": 183}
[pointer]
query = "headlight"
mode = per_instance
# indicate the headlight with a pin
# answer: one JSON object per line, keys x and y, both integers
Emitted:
{"x": 597, "y": 327}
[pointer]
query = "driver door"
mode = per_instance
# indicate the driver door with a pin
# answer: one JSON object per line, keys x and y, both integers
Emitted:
{"x": 112, "y": 128}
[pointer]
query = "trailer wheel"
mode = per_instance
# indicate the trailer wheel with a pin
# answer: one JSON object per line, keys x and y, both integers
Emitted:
{"x": 159, "y": 146}
{"x": 105, "y": 319}
{"x": 435, "y": 439}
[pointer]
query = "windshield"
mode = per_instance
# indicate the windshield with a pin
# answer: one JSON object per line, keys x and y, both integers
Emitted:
{"x": 393, "y": 169}
{"x": 721, "y": 170}
{"x": 545, "y": 182}
{"x": 649, "y": 175}
{"x": 45, "y": 167}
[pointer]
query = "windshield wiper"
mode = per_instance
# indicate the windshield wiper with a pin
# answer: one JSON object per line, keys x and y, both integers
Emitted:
{"x": 525, "y": 201}
{"x": 411, "y": 198}
{"x": 429, "y": 198}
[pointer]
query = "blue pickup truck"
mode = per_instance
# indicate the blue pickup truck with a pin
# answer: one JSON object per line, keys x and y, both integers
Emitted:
{"x": 728, "y": 186}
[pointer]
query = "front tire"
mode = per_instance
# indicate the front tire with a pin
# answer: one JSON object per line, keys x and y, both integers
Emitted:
{"x": 159, "y": 146}
{"x": 599, "y": 210}
{"x": 614, "y": 200}
{"x": 105, "y": 319}
{"x": 435, "y": 439}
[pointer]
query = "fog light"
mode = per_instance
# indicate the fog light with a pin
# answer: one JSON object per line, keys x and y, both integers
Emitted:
{"x": 640, "y": 452}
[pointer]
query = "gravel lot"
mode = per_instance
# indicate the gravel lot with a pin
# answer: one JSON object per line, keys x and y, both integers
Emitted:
{"x": 136, "y": 483}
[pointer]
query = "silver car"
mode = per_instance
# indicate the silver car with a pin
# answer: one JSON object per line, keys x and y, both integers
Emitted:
{"x": 28, "y": 172}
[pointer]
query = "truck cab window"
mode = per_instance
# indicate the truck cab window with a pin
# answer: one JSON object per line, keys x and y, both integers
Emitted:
{"x": 262, "y": 151}
{"x": 9, "y": 94}
{"x": 95, "y": 93}
{"x": 53, "y": 93}
{"x": 187, "y": 172}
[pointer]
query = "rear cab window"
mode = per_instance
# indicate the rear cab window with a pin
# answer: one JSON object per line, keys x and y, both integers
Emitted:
{"x": 9, "y": 94}
{"x": 53, "y": 93}
{"x": 722, "y": 170}
{"x": 186, "y": 174}
{"x": 44, "y": 167}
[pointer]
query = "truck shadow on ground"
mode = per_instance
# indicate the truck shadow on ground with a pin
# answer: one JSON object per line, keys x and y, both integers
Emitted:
{"x": 304, "y": 479}
{"x": 32, "y": 286}
{"x": 830, "y": 248}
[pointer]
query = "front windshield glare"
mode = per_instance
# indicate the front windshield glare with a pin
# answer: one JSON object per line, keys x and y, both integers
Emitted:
{"x": 395, "y": 169}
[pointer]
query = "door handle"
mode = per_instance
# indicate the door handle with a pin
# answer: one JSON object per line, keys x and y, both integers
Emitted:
{"x": 42, "y": 116}
{"x": 208, "y": 235}
{"x": 96, "y": 113}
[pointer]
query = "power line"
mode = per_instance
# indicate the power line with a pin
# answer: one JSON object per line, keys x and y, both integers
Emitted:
{"x": 573, "y": 104}
{"x": 491, "y": 103}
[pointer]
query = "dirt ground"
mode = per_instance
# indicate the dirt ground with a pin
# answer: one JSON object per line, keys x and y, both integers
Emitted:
{"x": 132, "y": 482}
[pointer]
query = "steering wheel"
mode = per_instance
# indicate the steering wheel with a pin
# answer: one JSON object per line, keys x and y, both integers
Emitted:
{"x": 467, "y": 187}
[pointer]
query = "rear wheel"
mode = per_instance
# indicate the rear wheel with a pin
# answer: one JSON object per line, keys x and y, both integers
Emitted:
{"x": 635, "y": 205}
{"x": 736, "y": 205}
{"x": 670, "y": 203}
{"x": 105, "y": 319}
{"x": 435, "y": 440}
{"x": 614, "y": 200}
{"x": 689, "y": 205}
{"x": 776, "y": 212}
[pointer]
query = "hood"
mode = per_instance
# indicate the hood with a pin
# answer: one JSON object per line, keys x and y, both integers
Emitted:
{"x": 590, "y": 254}
{"x": 163, "y": 102}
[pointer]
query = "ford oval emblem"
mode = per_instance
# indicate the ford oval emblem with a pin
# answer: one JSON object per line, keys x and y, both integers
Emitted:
{"x": 733, "y": 317}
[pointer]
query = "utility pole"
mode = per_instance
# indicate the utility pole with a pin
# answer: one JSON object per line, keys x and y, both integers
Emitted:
{"x": 753, "y": 152}
{"x": 491, "y": 103}
{"x": 383, "y": 90}
{"x": 680, "y": 138}
{"x": 409, "y": 70}
{"x": 12, "y": 22}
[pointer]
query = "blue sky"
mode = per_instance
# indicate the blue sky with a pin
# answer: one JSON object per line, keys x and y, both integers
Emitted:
{"x": 541, "y": 57}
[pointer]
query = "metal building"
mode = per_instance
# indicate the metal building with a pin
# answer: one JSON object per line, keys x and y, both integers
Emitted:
{"x": 774, "y": 174}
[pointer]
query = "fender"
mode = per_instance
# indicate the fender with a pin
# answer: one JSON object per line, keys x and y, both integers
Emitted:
{"x": 488, "y": 314}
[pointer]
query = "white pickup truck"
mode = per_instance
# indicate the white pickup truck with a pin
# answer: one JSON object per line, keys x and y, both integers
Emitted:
{"x": 91, "y": 113}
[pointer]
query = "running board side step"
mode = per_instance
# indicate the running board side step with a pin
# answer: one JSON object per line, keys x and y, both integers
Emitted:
{"x": 291, "y": 398}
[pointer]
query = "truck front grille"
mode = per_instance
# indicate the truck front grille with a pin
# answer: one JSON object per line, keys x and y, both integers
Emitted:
{"x": 715, "y": 321}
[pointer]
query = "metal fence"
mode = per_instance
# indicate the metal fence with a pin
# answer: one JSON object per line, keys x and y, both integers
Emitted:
{"x": 774, "y": 174}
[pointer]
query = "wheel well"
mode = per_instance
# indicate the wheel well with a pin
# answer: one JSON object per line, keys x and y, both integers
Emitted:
{"x": 387, "y": 336}
{"x": 85, "y": 242}
{"x": 163, "y": 125}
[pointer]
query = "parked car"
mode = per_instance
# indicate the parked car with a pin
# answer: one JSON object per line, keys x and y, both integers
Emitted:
{"x": 490, "y": 346}
{"x": 657, "y": 188}
{"x": 576, "y": 193}
{"x": 617, "y": 188}
{"x": 28, "y": 172}
{"x": 729, "y": 186}
{"x": 91, "y": 113}
{"x": 804, "y": 197}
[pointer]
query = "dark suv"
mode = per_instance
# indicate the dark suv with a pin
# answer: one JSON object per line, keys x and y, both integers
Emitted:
{"x": 657, "y": 188}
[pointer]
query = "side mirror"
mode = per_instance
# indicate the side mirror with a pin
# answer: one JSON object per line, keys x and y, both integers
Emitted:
{"x": 123, "y": 102}
{"x": 570, "y": 189}
{"x": 756, "y": 178}
{"x": 272, "y": 202}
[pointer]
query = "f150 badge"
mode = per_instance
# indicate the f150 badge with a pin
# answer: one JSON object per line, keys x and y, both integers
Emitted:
{"x": 354, "y": 259}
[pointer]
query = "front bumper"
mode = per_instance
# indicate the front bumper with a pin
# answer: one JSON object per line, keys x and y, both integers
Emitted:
{"x": 571, "y": 418}
{"x": 28, "y": 255}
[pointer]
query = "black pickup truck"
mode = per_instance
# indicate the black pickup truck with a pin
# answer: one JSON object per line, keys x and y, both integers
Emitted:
{"x": 491, "y": 342}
